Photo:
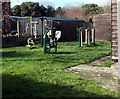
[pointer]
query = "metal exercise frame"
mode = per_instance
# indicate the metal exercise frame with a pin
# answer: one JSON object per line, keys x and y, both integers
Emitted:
{"x": 87, "y": 33}
{"x": 54, "y": 43}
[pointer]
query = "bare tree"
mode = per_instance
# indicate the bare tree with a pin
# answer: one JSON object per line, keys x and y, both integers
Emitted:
{"x": 76, "y": 13}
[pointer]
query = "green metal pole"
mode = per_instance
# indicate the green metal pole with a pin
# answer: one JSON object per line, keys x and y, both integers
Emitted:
{"x": 44, "y": 40}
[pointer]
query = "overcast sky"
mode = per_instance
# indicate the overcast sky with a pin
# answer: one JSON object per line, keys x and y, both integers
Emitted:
{"x": 61, "y": 3}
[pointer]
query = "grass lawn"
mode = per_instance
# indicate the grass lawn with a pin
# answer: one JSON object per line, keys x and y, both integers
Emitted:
{"x": 30, "y": 73}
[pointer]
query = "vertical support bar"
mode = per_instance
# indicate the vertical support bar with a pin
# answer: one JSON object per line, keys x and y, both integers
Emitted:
{"x": 44, "y": 41}
{"x": 86, "y": 36}
{"x": 18, "y": 28}
{"x": 81, "y": 33}
{"x": 93, "y": 35}
{"x": 35, "y": 31}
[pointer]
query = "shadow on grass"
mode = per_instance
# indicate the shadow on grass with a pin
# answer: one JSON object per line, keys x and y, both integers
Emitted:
{"x": 60, "y": 58}
{"x": 33, "y": 47}
{"x": 93, "y": 45}
{"x": 84, "y": 49}
{"x": 15, "y": 54}
{"x": 62, "y": 52}
{"x": 20, "y": 87}
{"x": 45, "y": 60}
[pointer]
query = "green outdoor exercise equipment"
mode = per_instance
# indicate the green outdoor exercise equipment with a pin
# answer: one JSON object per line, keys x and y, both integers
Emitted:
{"x": 49, "y": 42}
{"x": 89, "y": 35}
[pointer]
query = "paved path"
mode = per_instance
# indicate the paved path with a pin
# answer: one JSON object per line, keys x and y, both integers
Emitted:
{"x": 105, "y": 76}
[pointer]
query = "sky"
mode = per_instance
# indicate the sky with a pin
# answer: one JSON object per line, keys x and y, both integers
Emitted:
{"x": 61, "y": 3}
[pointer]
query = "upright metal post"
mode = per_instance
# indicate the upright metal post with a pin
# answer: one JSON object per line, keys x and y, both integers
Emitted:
{"x": 86, "y": 36}
{"x": 44, "y": 45}
{"x": 93, "y": 35}
{"x": 44, "y": 41}
{"x": 81, "y": 37}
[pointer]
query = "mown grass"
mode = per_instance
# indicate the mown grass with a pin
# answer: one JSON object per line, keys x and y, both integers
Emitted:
{"x": 30, "y": 73}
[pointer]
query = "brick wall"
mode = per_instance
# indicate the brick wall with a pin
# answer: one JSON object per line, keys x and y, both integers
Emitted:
{"x": 114, "y": 30}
